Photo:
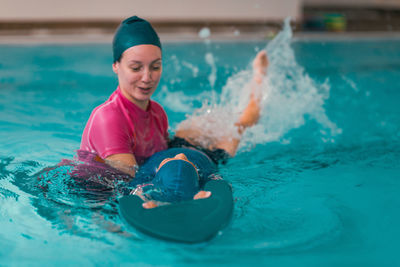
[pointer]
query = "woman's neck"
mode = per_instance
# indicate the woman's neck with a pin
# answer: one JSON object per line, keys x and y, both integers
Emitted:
{"x": 142, "y": 104}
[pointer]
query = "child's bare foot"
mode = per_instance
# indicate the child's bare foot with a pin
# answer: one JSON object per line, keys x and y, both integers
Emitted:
{"x": 202, "y": 194}
{"x": 260, "y": 65}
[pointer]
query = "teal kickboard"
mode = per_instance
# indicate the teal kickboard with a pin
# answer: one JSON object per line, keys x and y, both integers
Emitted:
{"x": 190, "y": 222}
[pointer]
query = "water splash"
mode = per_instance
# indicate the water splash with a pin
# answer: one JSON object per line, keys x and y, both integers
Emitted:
{"x": 288, "y": 96}
{"x": 193, "y": 68}
{"x": 178, "y": 101}
{"x": 209, "y": 57}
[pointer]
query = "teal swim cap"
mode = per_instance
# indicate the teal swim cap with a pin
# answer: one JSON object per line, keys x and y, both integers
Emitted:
{"x": 177, "y": 180}
{"x": 131, "y": 32}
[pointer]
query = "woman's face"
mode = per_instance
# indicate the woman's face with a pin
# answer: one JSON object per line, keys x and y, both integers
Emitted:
{"x": 139, "y": 72}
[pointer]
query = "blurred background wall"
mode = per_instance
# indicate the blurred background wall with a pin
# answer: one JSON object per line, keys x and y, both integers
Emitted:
{"x": 22, "y": 17}
{"x": 354, "y": 3}
{"x": 156, "y": 10}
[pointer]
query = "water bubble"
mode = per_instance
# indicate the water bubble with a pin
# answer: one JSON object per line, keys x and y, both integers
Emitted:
{"x": 193, "y": 68}
{"x": 204, "y": 33}
{"x": 209, "y": 57}
{"x": 351, "y": 83}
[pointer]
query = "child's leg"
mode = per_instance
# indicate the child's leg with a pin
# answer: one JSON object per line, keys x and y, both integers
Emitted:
{"x": 251, "y": 113}
{"x": 249, "y": 116}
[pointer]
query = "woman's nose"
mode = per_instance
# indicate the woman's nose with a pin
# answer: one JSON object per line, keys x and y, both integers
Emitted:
{"x": 146, "y": 77}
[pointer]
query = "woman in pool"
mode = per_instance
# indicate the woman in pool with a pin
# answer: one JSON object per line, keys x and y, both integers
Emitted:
{"x": 129, "y": 127}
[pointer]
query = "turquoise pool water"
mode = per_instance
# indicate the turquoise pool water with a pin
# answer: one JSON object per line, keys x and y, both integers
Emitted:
{"x": 316, "y": 183}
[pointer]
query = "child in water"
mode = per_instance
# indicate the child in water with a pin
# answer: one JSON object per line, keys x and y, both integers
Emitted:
{"x": 179, "y": 172}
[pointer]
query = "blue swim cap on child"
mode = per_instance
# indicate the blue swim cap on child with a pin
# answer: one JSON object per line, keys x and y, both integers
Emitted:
{"x": 131, "y": 32}
{"x": 176, "y": 180}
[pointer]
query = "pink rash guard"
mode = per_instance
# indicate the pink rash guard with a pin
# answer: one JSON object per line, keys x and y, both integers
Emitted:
{"x": 119, "y": 126}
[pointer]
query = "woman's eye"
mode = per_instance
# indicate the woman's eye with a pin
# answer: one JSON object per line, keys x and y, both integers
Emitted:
{"x": 136, "y": 68}
{"x": 156, "y": 67}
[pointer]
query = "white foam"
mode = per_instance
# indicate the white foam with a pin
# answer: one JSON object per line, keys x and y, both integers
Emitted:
{"x": 178, "y": 101}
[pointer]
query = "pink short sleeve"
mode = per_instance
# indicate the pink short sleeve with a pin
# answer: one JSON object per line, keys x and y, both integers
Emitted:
{"x": 118, "y": 126}
{"x": 107, "y": 133}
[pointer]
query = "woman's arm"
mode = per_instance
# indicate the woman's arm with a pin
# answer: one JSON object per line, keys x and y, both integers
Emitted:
{"x": 124, "y": 162}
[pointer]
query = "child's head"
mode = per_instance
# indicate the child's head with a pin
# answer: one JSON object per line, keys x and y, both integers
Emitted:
{"x": 176, "y": 179}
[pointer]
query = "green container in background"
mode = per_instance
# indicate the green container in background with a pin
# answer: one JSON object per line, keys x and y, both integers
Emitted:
{"x": 335, "y": 22}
